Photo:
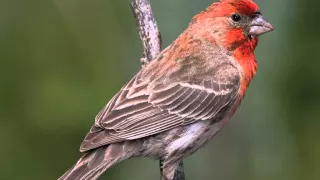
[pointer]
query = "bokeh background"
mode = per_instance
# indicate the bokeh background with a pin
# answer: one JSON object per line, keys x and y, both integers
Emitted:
{"x": 62, "y": 60}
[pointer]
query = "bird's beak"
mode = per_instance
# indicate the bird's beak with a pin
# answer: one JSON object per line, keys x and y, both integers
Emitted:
{"x": 259, "y": 26}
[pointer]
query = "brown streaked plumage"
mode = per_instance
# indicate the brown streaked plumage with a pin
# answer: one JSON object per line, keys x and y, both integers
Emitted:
{"x": 180, "y": 100}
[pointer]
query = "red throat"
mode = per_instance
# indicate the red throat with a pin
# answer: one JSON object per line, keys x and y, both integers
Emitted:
{"x": 246, "y": 58}
{"x": 243, "y": 51}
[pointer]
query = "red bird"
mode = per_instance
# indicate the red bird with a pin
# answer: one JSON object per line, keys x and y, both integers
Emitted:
{"x": 180, "y": 100}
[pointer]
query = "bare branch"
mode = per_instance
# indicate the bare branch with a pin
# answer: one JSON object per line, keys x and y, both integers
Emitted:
{"x": 151, "y": 41}
{"x": 148, "y": 29}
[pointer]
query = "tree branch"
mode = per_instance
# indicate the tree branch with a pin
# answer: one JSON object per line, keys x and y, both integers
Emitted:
{"x": 151, "y": 41}
{"x": 148, "y": 29}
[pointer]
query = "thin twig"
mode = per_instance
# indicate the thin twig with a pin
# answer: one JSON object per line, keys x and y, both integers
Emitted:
{"x": 151, "y": 41}
{"x": 148, "y": 29}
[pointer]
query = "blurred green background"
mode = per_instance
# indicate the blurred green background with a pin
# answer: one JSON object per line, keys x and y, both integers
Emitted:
{"x": 62, "y": 60}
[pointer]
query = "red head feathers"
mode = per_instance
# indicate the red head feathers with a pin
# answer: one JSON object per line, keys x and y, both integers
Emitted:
{"x": 227, "y": 7}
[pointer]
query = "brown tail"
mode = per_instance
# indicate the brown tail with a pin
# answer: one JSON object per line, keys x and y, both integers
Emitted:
{"x": 91, "y": 165}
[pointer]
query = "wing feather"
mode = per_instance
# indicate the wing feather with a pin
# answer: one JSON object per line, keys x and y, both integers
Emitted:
{"x": 117, "y": 116}
{"x": 172, "y": 105}
{"x": 194, "y": 104}
{"x": 163, "y": 103}
{"x": 158, "y": 97}
{"x": 146, "y": 107}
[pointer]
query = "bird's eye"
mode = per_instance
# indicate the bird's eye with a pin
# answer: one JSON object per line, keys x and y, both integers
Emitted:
{"x": 257, "y": 13}
{"x": 235, "y": 17}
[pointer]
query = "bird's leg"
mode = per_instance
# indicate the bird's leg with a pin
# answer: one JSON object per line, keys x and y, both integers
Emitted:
{"x": 171, "y": 171}
{"x": 179, "y": 173}
{"x": 161, "y": 169}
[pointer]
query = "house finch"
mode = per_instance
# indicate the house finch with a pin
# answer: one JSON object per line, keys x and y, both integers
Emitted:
{"x": 180, "y": 100}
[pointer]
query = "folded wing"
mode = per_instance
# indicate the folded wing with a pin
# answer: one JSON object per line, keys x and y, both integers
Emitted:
{"x": 144, "y": 108}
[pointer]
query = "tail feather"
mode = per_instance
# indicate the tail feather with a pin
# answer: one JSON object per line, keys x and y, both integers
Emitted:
{"x": 95, "y": 162}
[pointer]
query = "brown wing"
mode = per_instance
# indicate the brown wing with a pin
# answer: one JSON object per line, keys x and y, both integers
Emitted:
{"x": 144, "y": 107}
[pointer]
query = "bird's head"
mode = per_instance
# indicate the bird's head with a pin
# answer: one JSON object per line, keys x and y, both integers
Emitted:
{"x": 234, "y": 22}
